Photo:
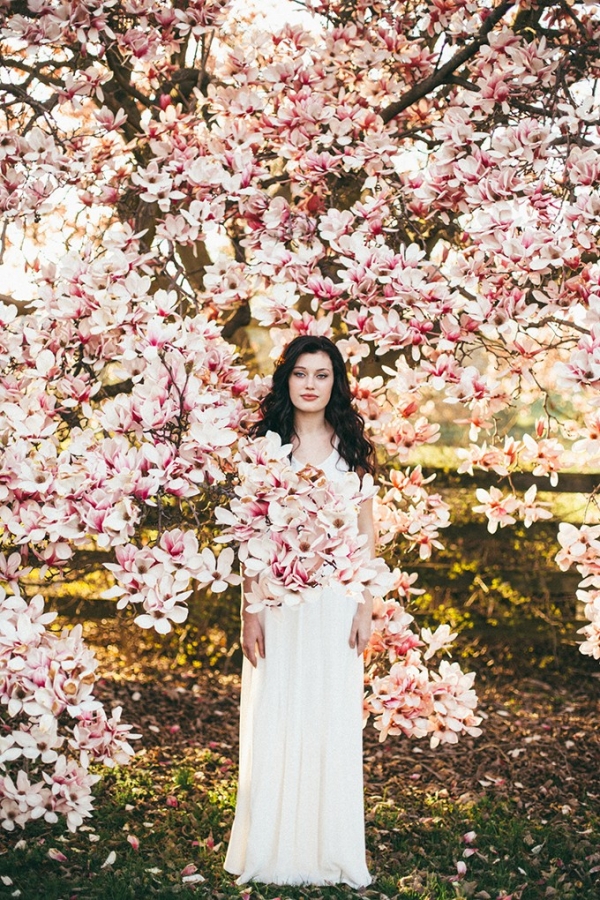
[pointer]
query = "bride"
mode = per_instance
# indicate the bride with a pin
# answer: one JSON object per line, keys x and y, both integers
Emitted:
{"x": 300, "y": 815}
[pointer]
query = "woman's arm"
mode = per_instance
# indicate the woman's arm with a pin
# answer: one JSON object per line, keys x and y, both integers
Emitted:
{"x": 360, "y": 631}
{"x": 252, "y": 637}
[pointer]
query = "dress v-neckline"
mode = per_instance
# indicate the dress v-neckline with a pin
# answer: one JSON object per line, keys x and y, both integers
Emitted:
{"x": 315, "y": 465}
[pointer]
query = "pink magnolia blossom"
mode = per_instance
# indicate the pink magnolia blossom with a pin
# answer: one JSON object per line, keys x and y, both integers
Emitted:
{"x": 498, "y": 508}
{"x": 581, "y": 547}
{"x": 44, "y": 674}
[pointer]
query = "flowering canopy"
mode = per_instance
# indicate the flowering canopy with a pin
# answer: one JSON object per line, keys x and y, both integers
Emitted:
{"x": 418, "y": 180}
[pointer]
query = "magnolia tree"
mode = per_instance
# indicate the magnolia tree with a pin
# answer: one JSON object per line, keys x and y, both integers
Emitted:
{"x": 417, "y": 180}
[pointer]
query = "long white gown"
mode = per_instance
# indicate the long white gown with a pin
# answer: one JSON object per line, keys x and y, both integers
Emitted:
{"x": 299, "y": 816}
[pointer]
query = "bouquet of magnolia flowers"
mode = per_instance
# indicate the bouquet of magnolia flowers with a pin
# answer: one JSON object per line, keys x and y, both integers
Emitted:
{"x": 297, "y": 531}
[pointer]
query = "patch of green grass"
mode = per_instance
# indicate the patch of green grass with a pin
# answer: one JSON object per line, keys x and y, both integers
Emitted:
{"x": 415, "y": 839}
{"x": 184, "y": 778}
{"x": 511, "y": 851}
{"x": 125, "y": 785}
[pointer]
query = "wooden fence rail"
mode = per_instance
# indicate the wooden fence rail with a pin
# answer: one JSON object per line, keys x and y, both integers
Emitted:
{"x": 568, "y": 483}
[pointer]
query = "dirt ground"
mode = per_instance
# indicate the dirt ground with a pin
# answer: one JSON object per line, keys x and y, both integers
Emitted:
{"x": 540, "y": 745}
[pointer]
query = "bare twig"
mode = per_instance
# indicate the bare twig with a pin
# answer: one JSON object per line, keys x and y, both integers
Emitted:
{"x": 3, "y": 242}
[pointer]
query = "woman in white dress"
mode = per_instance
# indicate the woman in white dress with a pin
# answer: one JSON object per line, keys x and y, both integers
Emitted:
{"x": 300, "y": 816}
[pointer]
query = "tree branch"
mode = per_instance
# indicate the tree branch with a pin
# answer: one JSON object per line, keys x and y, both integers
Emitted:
{"x": 239, "y": 319}
{"x": 571, "y": 15}
{"x": 22, "y": 305}
{"x": 194, "y": 259}
{"x": 113, "y": 390}
{"x": 34, "y": 71}
{"x": 442, "y": 76}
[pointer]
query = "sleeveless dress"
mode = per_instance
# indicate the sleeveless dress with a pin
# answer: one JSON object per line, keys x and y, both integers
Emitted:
{"x": 299, "y": 816}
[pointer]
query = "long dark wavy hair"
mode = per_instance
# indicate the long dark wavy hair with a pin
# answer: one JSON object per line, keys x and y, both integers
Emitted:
{"x": 277, "y": 410}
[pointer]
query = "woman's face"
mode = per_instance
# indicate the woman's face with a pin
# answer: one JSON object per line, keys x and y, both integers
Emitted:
{"x": 311, "y": 382}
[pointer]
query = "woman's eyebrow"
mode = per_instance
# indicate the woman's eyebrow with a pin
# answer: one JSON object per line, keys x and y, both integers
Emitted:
{"x": 318, "y": 370}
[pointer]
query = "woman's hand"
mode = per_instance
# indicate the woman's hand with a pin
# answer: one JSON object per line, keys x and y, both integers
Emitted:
{"x": 252, "y": 637}
{"x": 360, "y": 630}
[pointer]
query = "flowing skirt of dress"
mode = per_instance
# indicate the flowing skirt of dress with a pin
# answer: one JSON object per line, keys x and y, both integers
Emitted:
{"x": 300, "y": 810}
